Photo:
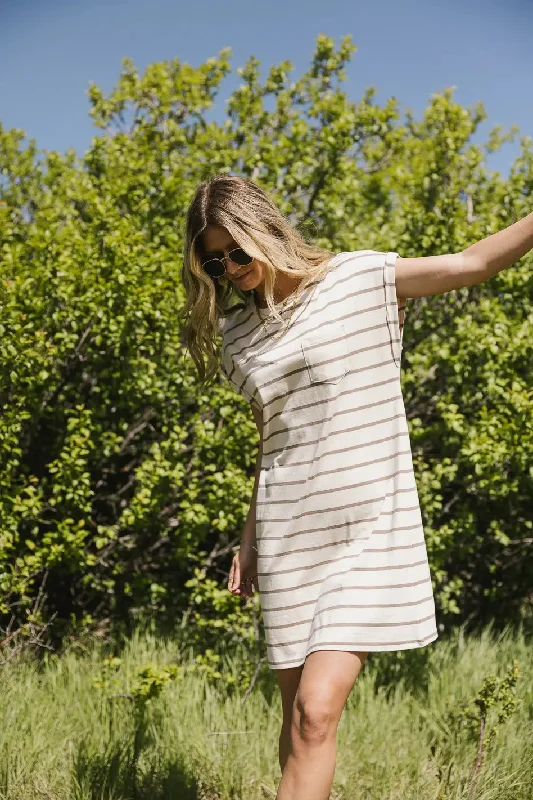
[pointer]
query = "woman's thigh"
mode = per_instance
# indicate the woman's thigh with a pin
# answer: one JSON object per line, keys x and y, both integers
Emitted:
{"x": 288, "y": 681}
{"x": 327, "y": 679}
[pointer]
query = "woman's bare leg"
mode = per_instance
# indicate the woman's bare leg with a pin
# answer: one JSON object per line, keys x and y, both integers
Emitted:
{"x": 288, "y": 680}
{"x": 325, "y": 684}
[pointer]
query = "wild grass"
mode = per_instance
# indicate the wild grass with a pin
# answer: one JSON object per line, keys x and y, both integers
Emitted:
{"x": 400, "y": 736}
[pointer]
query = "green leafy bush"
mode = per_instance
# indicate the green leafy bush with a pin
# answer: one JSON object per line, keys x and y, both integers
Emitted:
{"x": 123, "y": 482}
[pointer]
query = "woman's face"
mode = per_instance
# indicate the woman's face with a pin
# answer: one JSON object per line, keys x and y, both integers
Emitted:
{"x": 217, "y": 241}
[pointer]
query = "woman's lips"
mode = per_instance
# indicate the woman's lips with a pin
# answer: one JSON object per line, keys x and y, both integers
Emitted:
{"x": 240, "y": 277}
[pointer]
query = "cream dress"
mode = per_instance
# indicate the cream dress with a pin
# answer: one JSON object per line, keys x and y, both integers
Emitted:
{"x": 342, "y": 561}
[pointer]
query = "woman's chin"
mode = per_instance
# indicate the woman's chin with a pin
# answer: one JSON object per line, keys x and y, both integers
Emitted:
{"x": 248, "y": 282}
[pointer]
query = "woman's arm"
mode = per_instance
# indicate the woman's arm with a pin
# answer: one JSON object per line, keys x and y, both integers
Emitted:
{"x": 428, "y": 275}
{"x": 248, "y": 533}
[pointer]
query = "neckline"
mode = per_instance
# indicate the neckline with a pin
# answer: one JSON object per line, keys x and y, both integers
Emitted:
{"x": 260, "y": 314}
{"x": 282, "y": 306}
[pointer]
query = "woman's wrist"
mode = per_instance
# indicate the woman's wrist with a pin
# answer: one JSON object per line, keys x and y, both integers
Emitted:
{"x": 248, "y": 541}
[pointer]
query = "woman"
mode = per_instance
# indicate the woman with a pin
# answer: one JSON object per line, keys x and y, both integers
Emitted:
{"x": 333, "y": 540}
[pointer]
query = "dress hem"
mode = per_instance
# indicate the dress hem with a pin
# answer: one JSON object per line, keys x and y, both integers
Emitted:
{"x": 365, "y": 648}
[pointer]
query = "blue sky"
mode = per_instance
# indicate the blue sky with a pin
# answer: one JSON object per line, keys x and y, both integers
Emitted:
{"x": 51, "y": 49}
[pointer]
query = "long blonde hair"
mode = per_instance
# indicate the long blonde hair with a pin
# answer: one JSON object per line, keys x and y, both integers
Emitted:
{"x": 259, "y": 227}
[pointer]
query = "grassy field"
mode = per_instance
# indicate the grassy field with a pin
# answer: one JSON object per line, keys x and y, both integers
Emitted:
{"x": 64, "y": 738}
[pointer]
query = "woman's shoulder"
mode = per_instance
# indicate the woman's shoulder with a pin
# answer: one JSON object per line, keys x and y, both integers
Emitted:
{"x": 359, "y": 263}
{"x": 361, "y": 256}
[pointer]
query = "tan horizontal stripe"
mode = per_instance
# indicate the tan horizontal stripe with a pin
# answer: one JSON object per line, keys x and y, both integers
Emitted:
{"x": 360, "y": 647}
{"x": 352, "y": 354}
{"x": 294, "y": 327}
{"x": 400, "y": 509}
{"x": 342, "y": 541}
{"x": 326, "y": 291}
{"x": 377, "y": 587}
{"x": 388, "y": 532}
{"x": 384, "y": 458}
{"x": 360, "y": 427}
{"x": 330, "y": 490}
{"x": 299, "y": 308}
{"x": 273, "y": 353}
{"x": 345, "y": 449}
{"x": 355, "y": 625}
{"x": 345, "y": 557}
{"x": 343, "y": 589}
{"x": 327, "y": 399}
{"x": 299, "y": 389}
{"x": 314, "y": 512}
{"x": 361, "y": 625}
{"x": 346, "y": 357}
{"x": 236, "y": 325}
{"x": 340, "y": 413}
{"x": 343, "y": 524}
{"x": 301, "y": 304}
{"x": 335, "y": 508}
{"x": 299, "y": 321}
{"x": 347, "y": 606}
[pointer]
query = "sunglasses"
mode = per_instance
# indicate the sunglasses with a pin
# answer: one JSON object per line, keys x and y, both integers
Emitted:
{"x": 216, "y": 267}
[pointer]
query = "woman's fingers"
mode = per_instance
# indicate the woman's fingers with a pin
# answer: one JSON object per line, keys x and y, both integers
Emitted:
{"x": 234, "y": 576}
{"x": 250, "y": 585}
{"x": 242, "y": 586}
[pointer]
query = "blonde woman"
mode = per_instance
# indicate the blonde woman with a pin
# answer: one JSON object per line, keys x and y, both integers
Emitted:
{"x": 333, "y": 541}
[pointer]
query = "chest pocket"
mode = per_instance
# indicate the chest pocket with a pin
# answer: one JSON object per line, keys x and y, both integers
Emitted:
{"x": 326, "y": 354}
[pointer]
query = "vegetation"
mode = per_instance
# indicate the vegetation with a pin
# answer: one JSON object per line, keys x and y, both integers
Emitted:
{"x": 123, "y": 482}
{"x": 83, "y": 727}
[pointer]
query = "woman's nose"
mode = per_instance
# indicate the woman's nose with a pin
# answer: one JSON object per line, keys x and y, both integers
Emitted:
{"x": 228, "y": 261}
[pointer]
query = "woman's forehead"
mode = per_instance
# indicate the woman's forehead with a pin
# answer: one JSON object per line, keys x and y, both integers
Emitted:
{"x": 215, "y": 237}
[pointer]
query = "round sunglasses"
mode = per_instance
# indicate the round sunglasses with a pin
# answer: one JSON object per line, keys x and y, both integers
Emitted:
{"x": 216, "y": 267}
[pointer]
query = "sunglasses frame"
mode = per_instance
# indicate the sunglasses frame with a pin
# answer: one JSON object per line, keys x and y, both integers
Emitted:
{"x": 223, "y": 260}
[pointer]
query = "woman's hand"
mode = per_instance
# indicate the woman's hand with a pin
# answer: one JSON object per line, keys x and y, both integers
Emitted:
{"x": 243, "y": 572}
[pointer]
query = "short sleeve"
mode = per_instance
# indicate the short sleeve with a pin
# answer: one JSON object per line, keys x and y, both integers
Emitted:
{"x": 227, "y": 369}
{"x": 391, "y": 306}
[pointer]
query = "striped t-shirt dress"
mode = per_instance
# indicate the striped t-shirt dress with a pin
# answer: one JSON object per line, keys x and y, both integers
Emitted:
{"x": 342, "y": 560}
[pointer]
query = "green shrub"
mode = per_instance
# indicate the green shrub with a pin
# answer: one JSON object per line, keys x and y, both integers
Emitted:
{"x": 124, "y": 484}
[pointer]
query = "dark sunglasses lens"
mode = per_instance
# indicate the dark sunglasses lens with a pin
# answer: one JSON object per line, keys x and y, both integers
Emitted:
{"x": 214, "y": 268}
{"x": 240, "y": 257}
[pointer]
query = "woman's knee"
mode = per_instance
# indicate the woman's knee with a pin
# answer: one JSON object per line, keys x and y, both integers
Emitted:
{"x": 313, "y": 718}
{"x": 326, "y": 682}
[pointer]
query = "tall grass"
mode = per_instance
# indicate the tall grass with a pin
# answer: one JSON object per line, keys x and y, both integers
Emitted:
{"x": 62, "y": 738}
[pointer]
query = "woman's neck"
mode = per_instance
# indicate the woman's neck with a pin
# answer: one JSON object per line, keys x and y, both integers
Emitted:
{"x": 284, "y": 286}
